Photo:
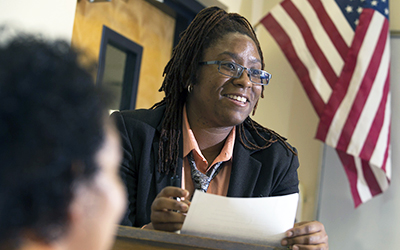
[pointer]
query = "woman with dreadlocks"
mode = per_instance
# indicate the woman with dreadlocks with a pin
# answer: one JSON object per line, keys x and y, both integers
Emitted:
{"x": 202, "y": 128}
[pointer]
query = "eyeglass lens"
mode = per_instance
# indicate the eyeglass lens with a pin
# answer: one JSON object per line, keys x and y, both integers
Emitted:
{"x": 236, "y": 70}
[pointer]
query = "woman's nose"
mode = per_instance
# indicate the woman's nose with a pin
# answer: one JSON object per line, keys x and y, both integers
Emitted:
{"x": 244, "y": 80}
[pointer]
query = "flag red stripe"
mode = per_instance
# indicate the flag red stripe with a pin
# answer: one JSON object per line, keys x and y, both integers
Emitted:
{"x": 342, "y": 85}
{"x": 363, "y": 92}
{"x": 351, "y": 173}
{"x": 330, "y": 28}
{"x": 375, "y": 130}
{"x": 286, "y": 45}
{"x": 370, "y": 178}
{"x": 312, "y": 45}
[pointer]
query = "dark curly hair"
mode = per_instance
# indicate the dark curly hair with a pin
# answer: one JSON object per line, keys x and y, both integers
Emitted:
{"x": 51, "y": 126}
{"x": 208, "y": 27}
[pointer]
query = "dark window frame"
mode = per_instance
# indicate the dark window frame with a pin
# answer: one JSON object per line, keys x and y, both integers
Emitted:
{"x": 132, "y": 65}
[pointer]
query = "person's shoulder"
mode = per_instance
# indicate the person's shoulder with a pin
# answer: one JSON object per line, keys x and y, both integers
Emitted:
{"x": 150, "y": 117}
{"x": 259, "y": 136}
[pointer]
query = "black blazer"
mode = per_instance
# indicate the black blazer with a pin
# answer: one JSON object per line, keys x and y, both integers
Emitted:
{"x": 255, "y": 173}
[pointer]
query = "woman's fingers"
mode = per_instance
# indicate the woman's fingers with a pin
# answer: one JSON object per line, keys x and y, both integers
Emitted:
{"x": 167, "y": 212}
{"x": 307, "y": 235}
{"x": 167, "y": 204}
{"x": 173, "y": 192}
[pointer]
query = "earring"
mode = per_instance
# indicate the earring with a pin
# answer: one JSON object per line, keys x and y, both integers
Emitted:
{"x": 190, "y": 88}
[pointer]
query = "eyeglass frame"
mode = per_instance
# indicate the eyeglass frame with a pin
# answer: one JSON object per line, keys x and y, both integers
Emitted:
{"x": 249, "y": 71}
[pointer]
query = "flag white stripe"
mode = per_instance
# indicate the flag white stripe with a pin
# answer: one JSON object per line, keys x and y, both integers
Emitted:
{"x": 320, "y": 35}
{"x": 362, "y": 187}
{"x": 380, "y": 177}
{"x": 363, "y": 60}
{"x": 371, "y": 106}
{"x": 302, "y": 51}
{"x": 339, "y": 20}
{"x": 389, "y": 164}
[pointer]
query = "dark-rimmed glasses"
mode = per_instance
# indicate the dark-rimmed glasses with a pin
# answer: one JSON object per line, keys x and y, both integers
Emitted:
{"x": 235, "y": 70}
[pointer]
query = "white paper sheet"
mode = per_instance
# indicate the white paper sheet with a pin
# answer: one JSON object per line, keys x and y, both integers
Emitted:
{"x": 252, "y": 220}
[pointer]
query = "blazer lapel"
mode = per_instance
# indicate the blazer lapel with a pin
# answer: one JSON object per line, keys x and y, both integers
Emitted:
{"x": 245, "y": 171}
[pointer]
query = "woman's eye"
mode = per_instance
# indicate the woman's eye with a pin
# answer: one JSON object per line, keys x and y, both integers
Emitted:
{"x": 256, "y": 72}
{"x": 229, "y": 66}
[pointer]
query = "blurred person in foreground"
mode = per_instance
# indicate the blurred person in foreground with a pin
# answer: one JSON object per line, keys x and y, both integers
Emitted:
{"x": 212, "y": 84}
{"x": 59, "y": 172}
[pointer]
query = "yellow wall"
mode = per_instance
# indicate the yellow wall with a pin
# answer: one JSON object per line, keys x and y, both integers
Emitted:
{"x": 394, "y": 7}
{"x": 137, "y": 20}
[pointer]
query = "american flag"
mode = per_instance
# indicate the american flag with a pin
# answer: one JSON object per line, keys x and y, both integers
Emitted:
{"x": 340, "y": 52}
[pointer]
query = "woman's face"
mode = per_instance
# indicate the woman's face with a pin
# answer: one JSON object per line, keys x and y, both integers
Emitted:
{"x": 218, "y": 100}
{"x": 100, "y": 204}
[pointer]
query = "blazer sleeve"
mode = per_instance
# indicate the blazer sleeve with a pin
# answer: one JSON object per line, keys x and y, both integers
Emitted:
{"x": 288, "y": 182}
{"x": 128, "y": 170}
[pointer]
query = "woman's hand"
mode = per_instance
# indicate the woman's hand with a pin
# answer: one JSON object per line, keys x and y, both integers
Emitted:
{"x": 308, "y": 235}
{"x": 167, "y": 214}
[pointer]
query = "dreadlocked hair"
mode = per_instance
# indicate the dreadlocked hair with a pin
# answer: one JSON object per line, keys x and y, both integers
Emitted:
{"x": 274, "y": 137}
{"x": 207, "y": 28}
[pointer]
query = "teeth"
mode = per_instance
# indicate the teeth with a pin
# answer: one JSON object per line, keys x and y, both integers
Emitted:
{"x": 238, "y": 98}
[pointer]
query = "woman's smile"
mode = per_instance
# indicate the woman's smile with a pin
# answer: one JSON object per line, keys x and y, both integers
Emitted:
{"x": 238, "y": 98}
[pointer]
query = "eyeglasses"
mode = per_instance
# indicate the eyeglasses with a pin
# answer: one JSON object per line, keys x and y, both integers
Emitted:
{"x": 235, "y": 70}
